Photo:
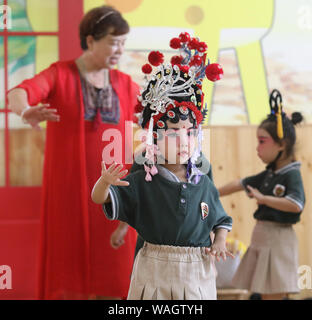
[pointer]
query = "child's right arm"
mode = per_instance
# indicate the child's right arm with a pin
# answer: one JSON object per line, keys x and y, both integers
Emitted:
{"x": 230, "y": 188}
{"x": 110, "y": 176}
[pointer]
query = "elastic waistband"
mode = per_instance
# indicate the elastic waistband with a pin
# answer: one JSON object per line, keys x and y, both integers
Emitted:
{"x": 273, "y": 224}
{"x": 174, "y": 253}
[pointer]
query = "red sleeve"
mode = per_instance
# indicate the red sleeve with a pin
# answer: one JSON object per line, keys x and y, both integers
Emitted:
{"x": 41, "y": 86}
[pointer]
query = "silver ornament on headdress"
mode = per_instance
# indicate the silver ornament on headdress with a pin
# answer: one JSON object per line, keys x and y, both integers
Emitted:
{"x": 164, "y": 85}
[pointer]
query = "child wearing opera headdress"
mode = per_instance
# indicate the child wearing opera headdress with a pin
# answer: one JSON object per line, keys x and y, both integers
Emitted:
{"x": 171, "y": 203}
{"x": 270, "y": 265}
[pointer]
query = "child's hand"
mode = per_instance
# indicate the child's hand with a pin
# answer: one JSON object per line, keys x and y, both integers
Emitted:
{"x": 117, "y": 237}
{"x": 113, "y": 174}
{"x": 255, "y": 193}
{"x": 218, "y": 249}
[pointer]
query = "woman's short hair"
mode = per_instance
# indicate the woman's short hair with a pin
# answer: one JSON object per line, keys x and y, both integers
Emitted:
{"x": 101, "y": 21}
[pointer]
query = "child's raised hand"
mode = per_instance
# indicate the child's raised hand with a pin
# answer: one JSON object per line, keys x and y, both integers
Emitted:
{"x": 219, "y": 250}
{"x": 113, "y": 174}
{"x": 255, "y": 193}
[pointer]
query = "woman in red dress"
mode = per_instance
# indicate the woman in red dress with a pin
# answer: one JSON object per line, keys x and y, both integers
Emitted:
{"x": 80, "y": 100}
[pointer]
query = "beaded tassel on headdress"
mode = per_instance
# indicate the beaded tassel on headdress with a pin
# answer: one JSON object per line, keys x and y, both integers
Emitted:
{"x": 192, "y": 170}
{"x": 151, "y": 150}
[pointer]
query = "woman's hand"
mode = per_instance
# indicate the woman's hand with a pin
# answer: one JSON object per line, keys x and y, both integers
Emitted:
{"x": 35, "y": 115}
{"x": 255, "y": 193}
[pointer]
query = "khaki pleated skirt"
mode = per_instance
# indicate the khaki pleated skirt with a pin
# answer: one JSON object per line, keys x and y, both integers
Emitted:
{"x": 172, "y": 273}
{"x": 270, "y": 264}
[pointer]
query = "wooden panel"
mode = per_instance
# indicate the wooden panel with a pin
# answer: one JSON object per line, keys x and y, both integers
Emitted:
{"x": 26, "y": 157}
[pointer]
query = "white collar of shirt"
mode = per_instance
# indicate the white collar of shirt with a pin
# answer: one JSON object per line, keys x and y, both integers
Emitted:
{"x": 164, "y": 172}
{"x": 292, "y": 166}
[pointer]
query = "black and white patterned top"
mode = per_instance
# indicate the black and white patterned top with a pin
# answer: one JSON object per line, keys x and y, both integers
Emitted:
{"x": 103, "y": 100}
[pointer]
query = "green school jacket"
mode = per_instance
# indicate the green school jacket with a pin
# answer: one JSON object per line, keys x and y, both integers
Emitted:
{"x": 285, "y": 182}
{"x": 169, "y": 213}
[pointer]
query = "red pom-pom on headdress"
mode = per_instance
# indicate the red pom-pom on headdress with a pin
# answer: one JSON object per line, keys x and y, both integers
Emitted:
{"x": 155, "y": 58}
{"x": 193, "y": 44}
{"x": 176, "y": 60}
{"x": 196, "y": 60}
{"x": 202, "y": 47}
{"x": 184, "y": 37}
{"x": 184, "y": 68}
{"x": 147, "y": 68}
{"x": 175, "y": 43}
{"x": 214, "y": 72}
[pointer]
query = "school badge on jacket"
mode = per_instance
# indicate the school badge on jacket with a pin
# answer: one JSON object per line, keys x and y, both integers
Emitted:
{"x": 279, "y": 190}
{"x": 204, "y": 210}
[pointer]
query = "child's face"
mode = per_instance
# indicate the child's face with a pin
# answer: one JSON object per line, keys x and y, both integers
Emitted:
{"x": 267, "y": 148}
{"x": 178, "y": 142}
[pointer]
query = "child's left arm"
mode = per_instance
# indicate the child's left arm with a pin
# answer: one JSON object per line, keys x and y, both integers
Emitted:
{"x": 218, "y": 248}
{"x": 281, "y": 203}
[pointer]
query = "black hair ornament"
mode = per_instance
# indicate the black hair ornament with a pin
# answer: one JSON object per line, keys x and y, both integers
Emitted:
{"x": 277, "y": 110}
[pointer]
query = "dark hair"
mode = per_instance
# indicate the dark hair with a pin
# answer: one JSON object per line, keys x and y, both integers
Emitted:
{"x": 289, "y": 131}
{"x": 98, "y": 22}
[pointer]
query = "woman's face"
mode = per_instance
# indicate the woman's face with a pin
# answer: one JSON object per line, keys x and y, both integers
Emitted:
{"x": 267, "y": 148}
{"x": 106, "y": 51}
{"x": 178, "y": 141}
